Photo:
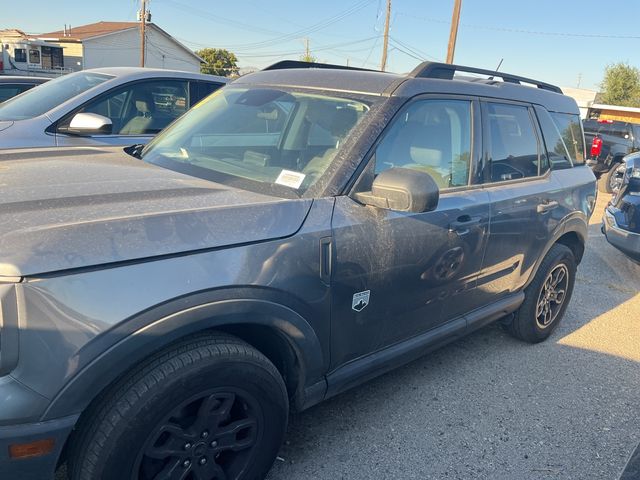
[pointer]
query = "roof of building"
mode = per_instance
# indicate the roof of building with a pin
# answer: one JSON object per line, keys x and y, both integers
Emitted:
{"x": 99, "y": 29}
{"x": 12, "y": 32}
{"x": 92, "y": 30}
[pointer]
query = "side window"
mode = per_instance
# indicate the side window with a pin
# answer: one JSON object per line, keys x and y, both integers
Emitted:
{"x": 433, "y": 136}
{"x": 10, "y": 91}
{"x": 20, "y": 55}
{"x": 142, "y": 108}
{"x": 513, "y": 144}
{"x": 568, "y": 126}
{"x": 34, "y": 56}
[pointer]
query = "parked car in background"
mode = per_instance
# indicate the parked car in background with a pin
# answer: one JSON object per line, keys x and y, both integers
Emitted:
{"x": 300, "y": 232}
{"x": 621, "y": 220}
{"x": 103, "y": 106}
{"x": 608, "y": 141}
{"x": 11, "y": 85}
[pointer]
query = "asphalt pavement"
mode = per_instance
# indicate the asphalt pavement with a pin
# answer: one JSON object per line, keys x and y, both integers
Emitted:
{"x": 491, "y": 407}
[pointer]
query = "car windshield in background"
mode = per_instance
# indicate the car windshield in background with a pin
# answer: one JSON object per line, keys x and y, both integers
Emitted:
{"x": 43, "y": 98}
{"x": 253, "y": 137}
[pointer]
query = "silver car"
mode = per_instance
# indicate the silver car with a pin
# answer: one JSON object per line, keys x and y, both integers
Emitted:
{"x": 103, "y": 106}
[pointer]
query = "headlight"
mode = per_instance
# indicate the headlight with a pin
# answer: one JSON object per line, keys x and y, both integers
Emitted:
{"x": 635, "y": 173}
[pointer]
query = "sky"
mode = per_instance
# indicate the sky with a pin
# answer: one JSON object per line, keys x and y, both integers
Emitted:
{"x": 565, "y": 42}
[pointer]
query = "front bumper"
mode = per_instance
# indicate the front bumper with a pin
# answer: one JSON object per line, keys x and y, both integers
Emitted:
{"x": 625, "y": 241}
{"x": 34, "y": 468}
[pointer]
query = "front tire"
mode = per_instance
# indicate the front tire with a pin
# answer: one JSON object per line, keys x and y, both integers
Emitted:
{"x": 209, "y": 407}
{"x": 546, "y": 297}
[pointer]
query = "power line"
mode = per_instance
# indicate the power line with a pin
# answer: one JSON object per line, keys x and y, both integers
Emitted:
{"x": 519, "y": 30}
{"x": 286, "y": 37}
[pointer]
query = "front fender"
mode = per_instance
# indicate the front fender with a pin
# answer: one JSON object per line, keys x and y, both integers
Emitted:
{"x": 154, "y": 329}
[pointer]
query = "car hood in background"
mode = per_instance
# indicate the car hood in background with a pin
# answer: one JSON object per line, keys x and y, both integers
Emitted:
{"x": 82, "y": 207}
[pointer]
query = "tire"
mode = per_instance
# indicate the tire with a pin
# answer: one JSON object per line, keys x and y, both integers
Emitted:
{"x": 531, "y": 323}
{"x": 206, "y": 404}
{"x": 604, "y": 182}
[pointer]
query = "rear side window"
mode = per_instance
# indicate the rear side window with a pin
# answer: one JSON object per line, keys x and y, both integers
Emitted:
{"x": 513, "y": 144}
{"x": 568, "y": 127}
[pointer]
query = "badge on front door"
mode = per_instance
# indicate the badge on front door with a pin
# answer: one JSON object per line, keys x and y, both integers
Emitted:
{"x": 360, "y": 300}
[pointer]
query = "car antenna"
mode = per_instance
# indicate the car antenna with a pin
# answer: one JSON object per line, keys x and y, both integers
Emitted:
{"x": 498, "y": 67}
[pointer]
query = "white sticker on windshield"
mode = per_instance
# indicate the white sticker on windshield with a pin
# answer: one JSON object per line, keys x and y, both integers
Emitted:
{"x": 289, "y": 178}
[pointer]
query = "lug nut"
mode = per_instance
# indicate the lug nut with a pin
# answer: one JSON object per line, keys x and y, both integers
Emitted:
{"x": 187, "y": 446}
{"x": 203, "y": 461}
{"x": 186, "y": 463}
{"x": 205, "y": 434}
{"x": 214, "y": 444}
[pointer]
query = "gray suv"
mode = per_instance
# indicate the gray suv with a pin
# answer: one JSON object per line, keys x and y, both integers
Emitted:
{"x": 299, "y": 232}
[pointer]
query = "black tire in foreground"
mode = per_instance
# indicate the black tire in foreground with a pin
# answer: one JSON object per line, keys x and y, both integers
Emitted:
{"x": 546, "y": 297}
{"x": 209, "y": 407}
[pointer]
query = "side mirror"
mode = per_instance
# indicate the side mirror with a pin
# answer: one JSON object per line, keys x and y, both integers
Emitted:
{"x": 88, "y": 124}
{"x": 403, "y": 190}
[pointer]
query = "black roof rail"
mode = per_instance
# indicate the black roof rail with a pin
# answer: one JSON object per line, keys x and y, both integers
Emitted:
{"x": 446, "y": 71}
{"x": 284, "y": 64}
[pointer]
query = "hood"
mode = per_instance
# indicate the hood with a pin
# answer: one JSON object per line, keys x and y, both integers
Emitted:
{"x": 5, "y": 124}
{"x": 83, "y": 207}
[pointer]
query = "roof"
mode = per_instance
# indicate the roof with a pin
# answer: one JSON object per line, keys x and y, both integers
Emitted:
{"x": 99, "y": 29}
{"x": 12, "y": 32}
{"x": 338, "y": 79}
{"x": 92, "y": 30}
{"x": 602, "y": 106}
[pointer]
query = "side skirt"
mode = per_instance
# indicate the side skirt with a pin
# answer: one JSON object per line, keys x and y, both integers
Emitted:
{"x": 370, "y": 366}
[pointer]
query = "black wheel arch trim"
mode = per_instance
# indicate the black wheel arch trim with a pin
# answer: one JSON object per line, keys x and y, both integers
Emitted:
{"x": 158, "y": 327}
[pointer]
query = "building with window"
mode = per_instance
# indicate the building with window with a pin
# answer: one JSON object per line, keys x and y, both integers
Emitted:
{"x": 22, "y": 54}
{"x": 118, "y": 44}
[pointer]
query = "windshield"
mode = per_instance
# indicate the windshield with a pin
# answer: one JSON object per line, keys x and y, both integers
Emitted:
{"x": 44, "y": 97}
{"x": 265, "y": 139}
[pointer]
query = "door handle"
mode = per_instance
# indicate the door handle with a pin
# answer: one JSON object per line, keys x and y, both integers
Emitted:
{"x": 462, "y": 225}
{"x": 547, "y": 206}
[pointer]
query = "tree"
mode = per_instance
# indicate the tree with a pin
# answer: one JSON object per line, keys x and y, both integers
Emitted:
{"x": 307, "y": 57}
{"x": 621, "y": 85}
{"x": 218, "y": 61}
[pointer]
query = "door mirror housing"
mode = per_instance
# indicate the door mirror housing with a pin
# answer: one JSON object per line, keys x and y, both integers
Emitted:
{"x": 88, "y": 124}
{"x": 402, "y": 190}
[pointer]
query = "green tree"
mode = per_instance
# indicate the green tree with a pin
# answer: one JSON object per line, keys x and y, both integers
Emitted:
{"x": 218, "y": 61}
{"x": 307, "y": 57}
{"x": 621, "y": 85}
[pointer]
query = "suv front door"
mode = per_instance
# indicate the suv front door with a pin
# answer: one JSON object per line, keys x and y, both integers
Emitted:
{"x": 394, "y": 272}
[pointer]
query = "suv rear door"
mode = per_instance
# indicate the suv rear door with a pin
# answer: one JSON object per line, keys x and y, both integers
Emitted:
{"x": 524, "y": 196}
{"x": 393, "y": 271}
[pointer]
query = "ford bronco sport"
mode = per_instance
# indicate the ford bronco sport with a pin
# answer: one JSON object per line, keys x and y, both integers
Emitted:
{"x": 298, "y": 232}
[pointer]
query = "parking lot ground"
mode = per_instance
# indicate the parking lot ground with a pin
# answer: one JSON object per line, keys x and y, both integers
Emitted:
{"x": 491, "y": 407}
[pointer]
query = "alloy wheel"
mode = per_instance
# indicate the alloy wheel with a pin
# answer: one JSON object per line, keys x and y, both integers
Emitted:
{"x": 552, "y": 296}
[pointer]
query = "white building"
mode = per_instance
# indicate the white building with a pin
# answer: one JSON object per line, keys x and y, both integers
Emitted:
{"x": 117, "y": 44}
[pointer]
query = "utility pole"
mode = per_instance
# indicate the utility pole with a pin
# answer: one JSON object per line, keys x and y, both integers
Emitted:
{"x": 385, "y": 42}
{"x": 455, "y": 20}
{"x": 579, "y": 80}
{"x": 306, "y": 49}
{"x": 143, "y": 21}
